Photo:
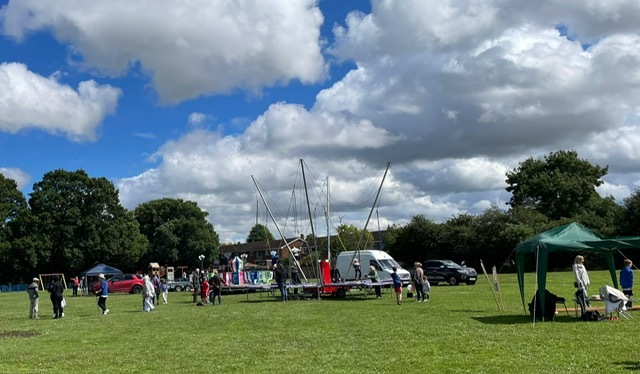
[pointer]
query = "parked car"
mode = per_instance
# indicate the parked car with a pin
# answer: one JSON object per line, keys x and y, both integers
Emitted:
{"x": 129, "y": 283}
{"x": 439, "y": 271}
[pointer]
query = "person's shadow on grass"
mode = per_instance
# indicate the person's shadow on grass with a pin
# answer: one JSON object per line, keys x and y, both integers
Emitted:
{"x": 629, "y": 365}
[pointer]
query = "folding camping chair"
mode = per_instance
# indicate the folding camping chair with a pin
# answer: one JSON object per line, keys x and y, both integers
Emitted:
{"x": 614, "y": 301}
{"x": 580, "y": 299}
{"x": 562, "y": 301}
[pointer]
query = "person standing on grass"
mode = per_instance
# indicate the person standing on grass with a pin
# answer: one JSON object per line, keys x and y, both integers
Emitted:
{"x": 204, "y": 296}
{"x": 147, "y": 295}
{"x": 76, "y": 283}
{"x": 156, "y": 287}
{"x": 626, "y": 280}
{"x": 581, "y": 282}
{"x": 164, "y": 287}
{"x": 195, "y": 282}
{"x": 373, "y": 275}
{"x": 281, "y": 279}
{"x": 417, "y": 281}
{"x": 34, "y": 298}
{"x": 426, "y": 288}
{"x": 216, "y": 288}
{"x": 397, "y": 285}
{"x": 55, "y": 290}
{"x": 103, "y": 293}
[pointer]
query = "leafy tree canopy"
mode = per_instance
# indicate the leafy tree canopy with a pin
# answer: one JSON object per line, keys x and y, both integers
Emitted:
{"x": 630, "y": 220}
{"x": 12, "y": 205}
{"x": 12, "y": 201}
{"x": 351, "y": 238}
{"x": 178, "y": 232}
{"x": 77, "y": 221}
{"x": 259, "y": 233}
{"x": 558, "y": 185}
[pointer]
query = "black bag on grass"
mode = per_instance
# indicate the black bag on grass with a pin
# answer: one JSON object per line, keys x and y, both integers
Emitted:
{"x": 592, "y": 315}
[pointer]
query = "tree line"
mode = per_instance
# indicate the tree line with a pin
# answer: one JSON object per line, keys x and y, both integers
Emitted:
{"x": 72, "y": 221}
{"x": 556, "y": 189}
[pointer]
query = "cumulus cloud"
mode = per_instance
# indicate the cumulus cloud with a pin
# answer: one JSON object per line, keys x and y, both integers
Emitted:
{"x": 188, "y": 49}
{"x": 28, "y": 100}
{"x": 454, "y": 94}
{"x": 197, "y": 119}
{"x": 21, "y": 178}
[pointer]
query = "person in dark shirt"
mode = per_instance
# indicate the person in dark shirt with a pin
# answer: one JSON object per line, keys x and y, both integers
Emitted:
{"x": 55, "y": 290}
{"x": 281, "y": 279}
{"x": 397, "y": 285}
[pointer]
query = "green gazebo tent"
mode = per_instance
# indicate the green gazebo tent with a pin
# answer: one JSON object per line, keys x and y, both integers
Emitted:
{"x": 570, "y": 237}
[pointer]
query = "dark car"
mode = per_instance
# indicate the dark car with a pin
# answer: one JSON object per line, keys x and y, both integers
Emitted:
{"x": 439, "y": 271}
{"x": 129, "y": 283}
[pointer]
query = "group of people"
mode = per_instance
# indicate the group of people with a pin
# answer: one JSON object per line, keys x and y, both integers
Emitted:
{"x": 56, "y": 290}
{"x": 154, "y": 287}
{"x": 582, "y": 281}
{"x": 207, "y": 289}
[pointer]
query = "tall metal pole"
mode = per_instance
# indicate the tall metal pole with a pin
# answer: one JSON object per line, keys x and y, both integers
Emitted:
{"x": 328, "y": 228}
{"x": 364, "y": 230}
{"x": 278, "y": 228}
{"x": 313, "y": 232}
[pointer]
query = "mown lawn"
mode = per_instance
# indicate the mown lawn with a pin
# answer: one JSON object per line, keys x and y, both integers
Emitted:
{"x": 459, "y": 331}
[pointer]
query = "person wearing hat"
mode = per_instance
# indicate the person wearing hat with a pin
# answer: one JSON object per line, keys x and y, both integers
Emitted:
{"x": 103, "y": 293}
{"x": 34, "y": 298}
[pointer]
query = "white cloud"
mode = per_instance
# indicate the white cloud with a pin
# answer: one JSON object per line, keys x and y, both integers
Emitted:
{"x": 453, "y": 94}
{"x": 196, "y": 119}
{"x": 619, "y": 192}
{"x": 188, "y": 49}
{"x": 30, "y": 101}
{"x": 21, "y": 178}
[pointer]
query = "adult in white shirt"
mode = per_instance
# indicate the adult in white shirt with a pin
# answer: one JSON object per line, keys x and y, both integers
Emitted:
{"x": 581, "y": 281}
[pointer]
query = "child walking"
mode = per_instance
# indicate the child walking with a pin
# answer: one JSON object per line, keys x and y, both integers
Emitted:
{"x": 426, "y": 288}
{"x": 397, "y": 285}
{"x": 164, "y": 287}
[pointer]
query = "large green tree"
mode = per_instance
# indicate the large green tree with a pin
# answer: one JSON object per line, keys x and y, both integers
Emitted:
{"x": 558, "y": 185}
{"x": 350, "y": 238}
{"x": 178, "y": 232}
{"x": 78, "y": 221}
{"x": 416, "y": 241}
{"x": 630, "y": 217}
{"x": 259, "y": 233}
{"x": 458, "y": 239}
{"x": 13, "y": 204}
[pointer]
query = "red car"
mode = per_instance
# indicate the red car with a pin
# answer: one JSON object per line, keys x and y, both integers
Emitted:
{"x": 129, "y": 283}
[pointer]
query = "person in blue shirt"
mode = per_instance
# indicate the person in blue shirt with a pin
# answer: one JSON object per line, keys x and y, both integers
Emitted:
{"x": 397, "y": 285}
{"x": 102, "y": 294}
{"x": 626, "y": 280}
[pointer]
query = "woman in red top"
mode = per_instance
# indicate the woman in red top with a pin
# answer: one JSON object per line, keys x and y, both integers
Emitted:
{"x": 204, "y": 295}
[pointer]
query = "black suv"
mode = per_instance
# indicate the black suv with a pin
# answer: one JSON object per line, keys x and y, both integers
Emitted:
{"x": 448, "y": 271}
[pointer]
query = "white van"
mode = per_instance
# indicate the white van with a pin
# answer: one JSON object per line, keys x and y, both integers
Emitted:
{"x": 380, "y": 259}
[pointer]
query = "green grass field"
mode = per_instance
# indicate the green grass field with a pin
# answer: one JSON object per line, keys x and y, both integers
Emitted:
{"x": 459, "y": 331}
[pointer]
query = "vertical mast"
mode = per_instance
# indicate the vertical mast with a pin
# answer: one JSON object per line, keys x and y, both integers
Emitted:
{"x": 364, "y": 230}
{"x": 313, "y": 232}
{"x": 278, "y": 228}
{"x": 328, "y": 228}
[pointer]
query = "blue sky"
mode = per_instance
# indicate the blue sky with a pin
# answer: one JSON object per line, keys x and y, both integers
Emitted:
{"x": 191, "y": 100}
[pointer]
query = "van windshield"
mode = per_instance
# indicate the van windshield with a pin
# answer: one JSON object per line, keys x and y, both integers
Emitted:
{"x": 388, "y": 264}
